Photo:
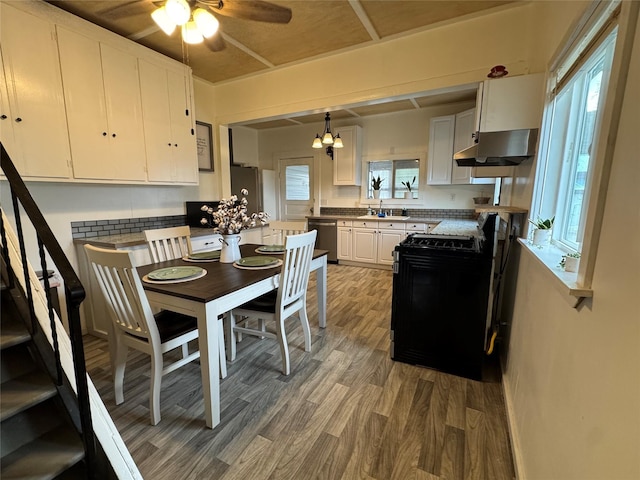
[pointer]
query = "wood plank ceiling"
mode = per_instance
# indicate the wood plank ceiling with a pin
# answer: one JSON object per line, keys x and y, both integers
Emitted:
{"x": 317, "y": 28}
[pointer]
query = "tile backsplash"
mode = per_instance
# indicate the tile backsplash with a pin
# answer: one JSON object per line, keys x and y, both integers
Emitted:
{"x": 97, "y": 228}
{"x": 413, "y": 212}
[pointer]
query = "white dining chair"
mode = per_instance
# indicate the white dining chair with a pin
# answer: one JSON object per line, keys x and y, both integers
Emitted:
{"x": 280, "y": 229}
{"x": 277, "y": 306}
{"x": 134, "y": 325}
{"x": 175, "y": 242}
{"x": 168, "y": 243}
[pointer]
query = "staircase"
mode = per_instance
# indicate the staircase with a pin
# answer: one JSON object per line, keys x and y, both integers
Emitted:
{"x": 37, "y": 438}
{"x": 53, "y": 424}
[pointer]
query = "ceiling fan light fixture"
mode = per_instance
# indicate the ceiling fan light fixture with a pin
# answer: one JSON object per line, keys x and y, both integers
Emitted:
{"x": 191, "y": 34}
{"x": 317, "y": 142}
{"x": 207, "y": 23}
{"x": 162, "y": 19}
{"x": 178, "y": 11}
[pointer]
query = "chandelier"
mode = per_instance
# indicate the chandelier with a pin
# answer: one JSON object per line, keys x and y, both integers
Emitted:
{"x": 327, "y": 138}
{"x": 197, "y": 25}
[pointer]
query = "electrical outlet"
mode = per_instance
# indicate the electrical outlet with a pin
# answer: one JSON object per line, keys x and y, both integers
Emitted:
{"x": 452, "y": 196}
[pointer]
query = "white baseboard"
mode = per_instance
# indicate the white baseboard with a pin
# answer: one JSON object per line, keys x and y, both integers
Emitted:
{"x": 514, "y": 438}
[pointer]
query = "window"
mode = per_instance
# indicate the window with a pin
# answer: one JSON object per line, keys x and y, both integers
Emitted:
{"x": 586, "y": 85}
{"x": 393, "y": 173}
{"x": 297, "y": 182}
{"x": 574, "y": 116}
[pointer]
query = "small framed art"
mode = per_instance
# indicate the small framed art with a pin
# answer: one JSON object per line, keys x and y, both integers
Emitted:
{"x": 204, "y": 141}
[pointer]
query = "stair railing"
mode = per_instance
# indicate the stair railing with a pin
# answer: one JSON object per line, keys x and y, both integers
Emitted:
{"x": 74, "y": 295}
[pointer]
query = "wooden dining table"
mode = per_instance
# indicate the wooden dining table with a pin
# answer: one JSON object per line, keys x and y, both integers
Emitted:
{"x": 223, "y": 288}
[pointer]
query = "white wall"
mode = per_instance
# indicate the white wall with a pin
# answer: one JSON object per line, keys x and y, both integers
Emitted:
{"x": 457, "y": 54}
{"x": 396, "y": 133}
{"x": 573, "y": 376}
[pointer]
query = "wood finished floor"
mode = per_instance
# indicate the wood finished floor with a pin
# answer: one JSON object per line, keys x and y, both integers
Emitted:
{"x": 347, "y": 411}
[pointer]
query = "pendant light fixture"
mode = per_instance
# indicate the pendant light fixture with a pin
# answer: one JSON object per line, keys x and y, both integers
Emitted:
{"x": 195, "y": 26}
{"x": 327, "y": 139}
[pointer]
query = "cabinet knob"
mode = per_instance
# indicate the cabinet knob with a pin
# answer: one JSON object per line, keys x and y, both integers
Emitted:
{"x": 3, "y": 117}
{"x": 18, "y": 119}
{"x": 104, "y": 134}
{"x": 175, "y": 145}
{"x": 113, "y": 135}
{"x": 168, "y": 144}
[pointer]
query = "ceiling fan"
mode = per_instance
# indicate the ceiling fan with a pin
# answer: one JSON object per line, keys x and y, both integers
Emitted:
{"x": 196, "y": 17}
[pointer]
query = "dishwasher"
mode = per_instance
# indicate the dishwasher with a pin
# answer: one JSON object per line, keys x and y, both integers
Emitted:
{"x": 327, "y": 238}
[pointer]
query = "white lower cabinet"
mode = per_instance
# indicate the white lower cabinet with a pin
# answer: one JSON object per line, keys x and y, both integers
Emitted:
{"x": 374, "y": 242}
{"x": 345, "y": 240}
{"x": 387, "y": 241}
{"x": 252, "y": 235}
{"x": 365, "y": 242}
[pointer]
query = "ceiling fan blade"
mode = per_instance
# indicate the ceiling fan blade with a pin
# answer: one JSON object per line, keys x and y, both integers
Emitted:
{"x": 257, "y": 10}
{"x": 215, "y": 43}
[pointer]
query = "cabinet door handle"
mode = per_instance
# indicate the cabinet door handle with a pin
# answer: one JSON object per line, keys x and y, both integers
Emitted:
{"x": 18, "y": 119}
{"x": 3, "y": 117}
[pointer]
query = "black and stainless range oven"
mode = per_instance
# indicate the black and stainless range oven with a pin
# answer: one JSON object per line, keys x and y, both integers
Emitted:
{"x": 441, "y": 297}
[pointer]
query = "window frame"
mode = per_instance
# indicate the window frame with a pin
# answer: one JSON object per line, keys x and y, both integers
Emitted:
{"x": 365, "y": 191}
{"x": 578, "y": 285}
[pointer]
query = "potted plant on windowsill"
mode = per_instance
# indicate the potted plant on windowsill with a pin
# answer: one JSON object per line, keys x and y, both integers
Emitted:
{"x": 408, "y": 193}
{"x": 542, "y": 231}
{"x": 570, "y": 262}
{"x": 376, "y": 183}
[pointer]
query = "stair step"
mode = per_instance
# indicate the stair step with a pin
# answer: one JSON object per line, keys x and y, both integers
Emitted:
{"x": 25, "y": 391}
{"x": 13, "y": 332}
{"x": 44, "y": 458}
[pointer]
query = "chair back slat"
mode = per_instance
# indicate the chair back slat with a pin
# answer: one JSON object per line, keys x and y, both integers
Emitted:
{"x": 282, "y": 229}
{"x": 168, "y": 243}
{"x": 296, "y": 266}
{"x": 122, "y": 289}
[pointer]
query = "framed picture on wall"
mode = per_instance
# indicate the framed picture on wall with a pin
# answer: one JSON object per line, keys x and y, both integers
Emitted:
{"x": 204, "y": 140}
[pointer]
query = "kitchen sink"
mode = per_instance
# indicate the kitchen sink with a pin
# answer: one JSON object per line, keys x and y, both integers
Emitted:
{"x": 388, "y": 217}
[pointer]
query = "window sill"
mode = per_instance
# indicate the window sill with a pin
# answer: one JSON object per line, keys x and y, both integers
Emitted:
{"x": 565, "y": 282}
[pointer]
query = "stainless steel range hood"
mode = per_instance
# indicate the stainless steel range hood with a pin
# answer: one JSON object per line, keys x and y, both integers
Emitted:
{"x": 505, "y": 148}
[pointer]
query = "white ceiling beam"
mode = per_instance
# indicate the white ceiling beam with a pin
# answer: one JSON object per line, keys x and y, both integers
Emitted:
{"x": 143, "y": 33}
{"x": 364, "y": 19}
{"x": 246, "y": 49}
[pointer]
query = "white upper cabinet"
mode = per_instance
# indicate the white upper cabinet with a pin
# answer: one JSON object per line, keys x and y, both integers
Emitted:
{"x": 32, "y": 121}
{"x": 104, "y": 109}
{"x": 441, "y": 135}
{"x": 168, "y": 124}
{"x": 511, "y": 103}
{"x": 347, "y": 160}
{"x": 463, "y": 138}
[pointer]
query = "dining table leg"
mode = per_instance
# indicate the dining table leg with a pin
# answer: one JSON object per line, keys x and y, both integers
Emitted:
{"x": 321, "y": 290}
{"x": 208, "y": 341}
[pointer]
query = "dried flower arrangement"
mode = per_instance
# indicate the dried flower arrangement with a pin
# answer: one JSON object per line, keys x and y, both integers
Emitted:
{"x": 231, "y": 215}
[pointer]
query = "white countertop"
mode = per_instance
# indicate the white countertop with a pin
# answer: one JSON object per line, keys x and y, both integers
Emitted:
{"x": 456, "y": 227}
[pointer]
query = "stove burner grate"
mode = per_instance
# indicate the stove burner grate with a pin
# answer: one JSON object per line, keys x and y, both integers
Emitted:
{"x": 441, "y": 242}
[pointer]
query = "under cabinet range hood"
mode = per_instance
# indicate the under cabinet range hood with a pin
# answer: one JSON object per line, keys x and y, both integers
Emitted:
{"x": 504, "y": 148}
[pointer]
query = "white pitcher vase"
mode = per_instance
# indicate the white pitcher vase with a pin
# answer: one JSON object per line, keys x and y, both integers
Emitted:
{"x": 230, "y": 248}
